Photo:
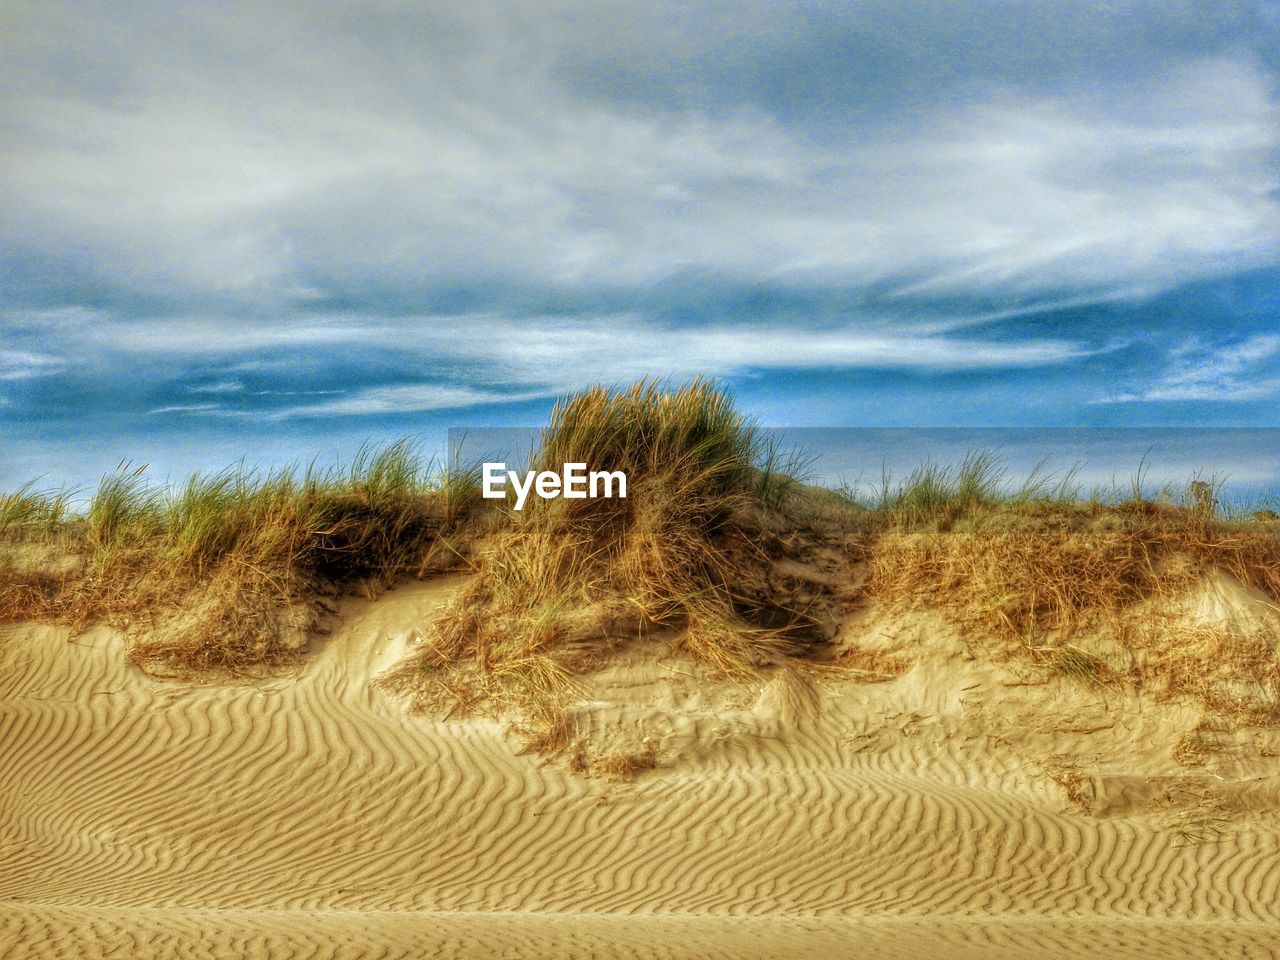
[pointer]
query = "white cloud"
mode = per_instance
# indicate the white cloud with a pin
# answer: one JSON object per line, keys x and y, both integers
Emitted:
{"x": 623, "y": 348}
{"x": 221, "y": 386}
{"x": 513, "y": 360}
{"x": 470, "y": 158}
{"x": 24, "y": 365}
{"x": 646, "y": 169}
{"x": 404, "y": 398}
{"x": 547, "y": 349}
{"x": 186, "y": 408}
{"x": 1246, "y": 370}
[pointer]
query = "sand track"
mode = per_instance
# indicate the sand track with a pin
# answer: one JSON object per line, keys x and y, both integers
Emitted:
{"x": 310, "y": 815}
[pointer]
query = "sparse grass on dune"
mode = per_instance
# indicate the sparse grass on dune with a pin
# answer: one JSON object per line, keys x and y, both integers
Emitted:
{"x": 717, "y": 543}
{"x": 939, "y": 494}
{"x": 980, "y": 490}
{"x": 29, "y": 510}
{"x": 224, "y": 571}
{"x": 1036, "y": 573}
{"x": 567, "y": 577}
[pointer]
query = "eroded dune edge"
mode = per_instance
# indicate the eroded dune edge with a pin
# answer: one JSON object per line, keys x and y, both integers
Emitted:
{"x": 961, "y": 808}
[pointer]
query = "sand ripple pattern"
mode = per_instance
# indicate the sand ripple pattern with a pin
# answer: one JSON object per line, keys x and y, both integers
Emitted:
{"x": 311, "y": 817}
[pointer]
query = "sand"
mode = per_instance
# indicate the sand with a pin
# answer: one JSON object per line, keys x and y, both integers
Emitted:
{"x": 961, "y": 809}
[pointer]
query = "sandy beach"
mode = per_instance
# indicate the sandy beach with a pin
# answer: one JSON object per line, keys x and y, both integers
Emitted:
{"x": 811, "y": 814}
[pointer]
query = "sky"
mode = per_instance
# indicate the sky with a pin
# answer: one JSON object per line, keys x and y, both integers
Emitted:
{"x": 271, "y": 231}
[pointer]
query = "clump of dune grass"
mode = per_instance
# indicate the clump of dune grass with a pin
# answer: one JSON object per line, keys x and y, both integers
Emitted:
{"x": 940, "y": 492}
{"x": 1038, "y": 572}
{"x": 617, "y": 765}
{"x": 225, "y": 571}
{"x": 568, "y": 577}
{"x": 125, "y": 509}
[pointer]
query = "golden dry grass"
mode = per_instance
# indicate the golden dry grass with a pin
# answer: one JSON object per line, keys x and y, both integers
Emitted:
{"x": 623, "y": 764}
{"x": 565, "y": 579}
{"x": 227, "y": 572}
{"x": 1115, "y": 575}
{"x": 231, "y": 571}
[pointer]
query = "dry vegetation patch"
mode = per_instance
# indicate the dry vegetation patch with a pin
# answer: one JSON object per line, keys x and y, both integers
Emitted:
{"x": 686, "y": 550}
{"x": 716, "y": 544}
{"x": 1099, "y": 593}
{"x": 230, "y": 571}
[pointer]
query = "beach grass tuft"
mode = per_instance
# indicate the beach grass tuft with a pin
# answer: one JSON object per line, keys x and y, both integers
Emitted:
{"x": 565, "y": 577}
{"x": 225, "y": 571}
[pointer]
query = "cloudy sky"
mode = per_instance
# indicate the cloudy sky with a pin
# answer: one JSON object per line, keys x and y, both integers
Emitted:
{"x": 274, "y": 229}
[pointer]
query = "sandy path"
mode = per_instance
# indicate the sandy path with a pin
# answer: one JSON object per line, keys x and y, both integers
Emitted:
{"x": 310, "y": 816}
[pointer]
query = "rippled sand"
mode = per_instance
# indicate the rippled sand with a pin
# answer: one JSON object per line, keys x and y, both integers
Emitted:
{"x": 809, "y": 816}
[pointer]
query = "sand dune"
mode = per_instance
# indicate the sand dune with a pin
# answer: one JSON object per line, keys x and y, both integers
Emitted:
{"x": 961, "y": 809}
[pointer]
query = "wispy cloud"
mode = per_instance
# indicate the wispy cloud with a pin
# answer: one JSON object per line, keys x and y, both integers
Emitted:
{"x": 548, "y": 351}
{"x": 187, "y": 408}
{"x": 402, "y": 398}
{"x": 503, "y": 152}
{"x": 22, "y": 365}
{"x": 1245, "y": 370}
{"x": 506, "y": 360}
{"x": 426, "y": 207}
{"x": 493, "y": 359}
{"x": 221, "y": 386}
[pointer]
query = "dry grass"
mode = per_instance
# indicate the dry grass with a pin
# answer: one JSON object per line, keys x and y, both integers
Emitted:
{"x": 1035, "y": 579}
{"x": 1066, "y": 773}
{"x": 548, "y": 731}
{"x": 1021, "y": 583}
{"x": 226, "y": 571}
{"x": 1233, "y": 670}
{"x": 623, "y": 765}
{"x": 567, "y": 578}
{"x": 229, "y": 570}
{"x": 872, "y": 666}
{"x": 613, "y": 765}
{"x": 1196, "y": 747}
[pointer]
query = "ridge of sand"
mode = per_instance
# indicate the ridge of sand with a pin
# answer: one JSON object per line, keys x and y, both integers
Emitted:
{"x": 937, "y": 814}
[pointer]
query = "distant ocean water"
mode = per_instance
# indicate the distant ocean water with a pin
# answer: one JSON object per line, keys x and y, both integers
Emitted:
{"x": 1245, "y": 460}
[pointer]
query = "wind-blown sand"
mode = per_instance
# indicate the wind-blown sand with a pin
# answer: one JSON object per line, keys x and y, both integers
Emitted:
{"x": 962, "y": 809}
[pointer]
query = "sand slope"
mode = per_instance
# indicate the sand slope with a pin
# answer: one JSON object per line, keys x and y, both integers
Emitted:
{"x": 959, "y": 810}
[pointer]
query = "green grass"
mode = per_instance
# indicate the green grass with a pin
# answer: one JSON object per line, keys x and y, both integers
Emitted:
{"x": 28, "y": 509}
{"x": 125, "y": 509}
{"x": 981, "y": 488}
{"x": 938, "y": 494}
